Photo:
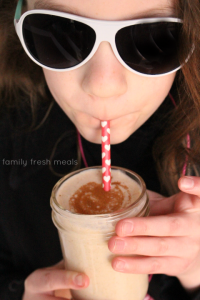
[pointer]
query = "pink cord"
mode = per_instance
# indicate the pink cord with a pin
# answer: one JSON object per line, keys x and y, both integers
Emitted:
{"x": 186, "y": 159}
{"x": 148, "y": 297}
{"x": 188, "y": 141}
{"x": 81, "y": 149}
{"x": 150, "y": 277}
{"x": 172, "y": 99}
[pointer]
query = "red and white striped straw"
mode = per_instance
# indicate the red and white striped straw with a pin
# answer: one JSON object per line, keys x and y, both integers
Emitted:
{"x": 106, "y": 161}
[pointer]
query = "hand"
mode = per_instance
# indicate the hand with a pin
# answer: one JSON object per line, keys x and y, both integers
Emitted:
{"x": 53, "y": 283}
{"x": 168, "y": 240}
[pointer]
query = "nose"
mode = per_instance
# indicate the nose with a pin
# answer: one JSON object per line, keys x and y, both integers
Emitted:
{"x": 104, "y": 76}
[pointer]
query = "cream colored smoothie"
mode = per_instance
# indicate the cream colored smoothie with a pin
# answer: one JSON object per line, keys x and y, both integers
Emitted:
{"x": 86, "y": 220}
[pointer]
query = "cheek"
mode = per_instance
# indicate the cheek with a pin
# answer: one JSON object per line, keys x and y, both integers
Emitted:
{"x": 160, "y": 86}
{"x": 149, "y": 93}
{"x": 143, "y": 88}
{"x": 61, "y": 84}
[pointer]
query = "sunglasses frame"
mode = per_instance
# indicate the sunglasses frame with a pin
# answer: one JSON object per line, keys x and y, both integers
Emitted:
{"x": 105, "y": 32}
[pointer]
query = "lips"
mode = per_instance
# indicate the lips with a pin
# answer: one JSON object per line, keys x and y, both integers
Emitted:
{"x": 117, "y": 120}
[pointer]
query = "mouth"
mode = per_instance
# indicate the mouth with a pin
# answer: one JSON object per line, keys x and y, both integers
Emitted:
{"x": 95, "y": 122}
{"x": 117, "y": 120}
{"x": 114, "y": 121}
{"x": 89, "y": 126}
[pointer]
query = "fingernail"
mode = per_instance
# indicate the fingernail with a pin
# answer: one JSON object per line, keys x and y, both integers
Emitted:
{"x": 119, "y": 265}
{"x": 78, "y": 280}
{"x": 119, "y": 245}
{"x": 187, "y": 183}
{"x": 127, "y": 227}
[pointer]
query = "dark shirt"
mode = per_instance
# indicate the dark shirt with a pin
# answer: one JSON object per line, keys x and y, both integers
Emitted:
{"x": 28, "y": 238}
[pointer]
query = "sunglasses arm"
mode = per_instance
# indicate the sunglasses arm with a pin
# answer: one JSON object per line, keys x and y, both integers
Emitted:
{"x": 18, "y": 11}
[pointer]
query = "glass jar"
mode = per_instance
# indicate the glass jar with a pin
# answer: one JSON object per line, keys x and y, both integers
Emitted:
{"x": 84, "y": 241}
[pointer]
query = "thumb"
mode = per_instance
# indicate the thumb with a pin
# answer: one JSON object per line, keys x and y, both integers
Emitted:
{"x": 48, "y": 280}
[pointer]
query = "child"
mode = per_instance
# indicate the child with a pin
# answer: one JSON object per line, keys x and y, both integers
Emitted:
{"x": 144, "y": 77}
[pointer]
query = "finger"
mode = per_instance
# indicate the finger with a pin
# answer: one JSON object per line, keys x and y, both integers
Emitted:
{"x": 46, "y": 280}
{"x": 150, "y": 265}
{"x": 190, "y": 185}
{"x": 151, "y": 246}
{"x": 170, "y": 225}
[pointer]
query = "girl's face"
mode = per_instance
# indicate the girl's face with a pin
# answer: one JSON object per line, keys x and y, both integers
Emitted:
{"x": 103, "y": 89}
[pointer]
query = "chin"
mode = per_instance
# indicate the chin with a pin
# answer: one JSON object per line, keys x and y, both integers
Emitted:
{"x": 118, "y": 139}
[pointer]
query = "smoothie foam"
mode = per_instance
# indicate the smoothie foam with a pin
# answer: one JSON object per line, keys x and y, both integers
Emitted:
{"x": 84, "y": 194}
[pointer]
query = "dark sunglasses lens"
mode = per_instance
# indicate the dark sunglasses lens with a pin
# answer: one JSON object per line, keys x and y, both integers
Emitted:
{"x": 57, "y": 42}
{"x": 150, "y": 48}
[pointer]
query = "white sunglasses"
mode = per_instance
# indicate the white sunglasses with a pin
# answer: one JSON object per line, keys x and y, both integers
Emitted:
{"x": 63, "y": 42}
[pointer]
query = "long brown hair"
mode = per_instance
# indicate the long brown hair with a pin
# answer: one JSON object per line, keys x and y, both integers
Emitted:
{"x": 21, "y": 79}
{"x": 171, "y": 150}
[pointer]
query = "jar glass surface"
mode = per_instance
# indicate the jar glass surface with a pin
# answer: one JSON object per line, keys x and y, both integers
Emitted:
{"x": 84, "y": 240}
